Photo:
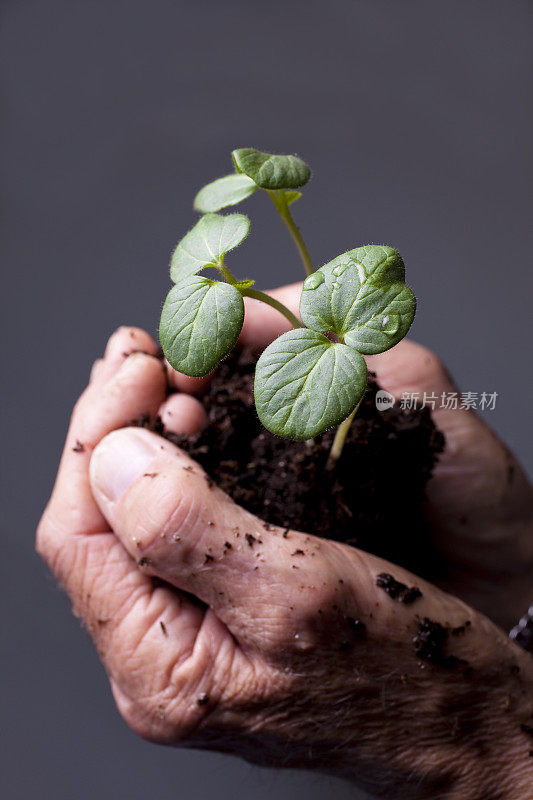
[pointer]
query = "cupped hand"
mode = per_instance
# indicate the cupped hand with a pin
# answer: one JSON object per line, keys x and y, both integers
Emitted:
{"x": 480, "y": 502}
{"x": 220, "y": 632}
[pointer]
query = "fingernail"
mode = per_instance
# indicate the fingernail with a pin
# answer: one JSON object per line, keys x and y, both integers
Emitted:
{"x": 132, "y": 360}
{"x": 120, "y": 459}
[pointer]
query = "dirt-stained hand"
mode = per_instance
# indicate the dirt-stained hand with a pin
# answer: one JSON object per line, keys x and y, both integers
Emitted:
{"x": 218, "y": 632}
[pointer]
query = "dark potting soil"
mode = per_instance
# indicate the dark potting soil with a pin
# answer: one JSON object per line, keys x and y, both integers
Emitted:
{"x": 430, "y": 643}
{"x": 373, "y": 499}
{"x": 397, "y": 590}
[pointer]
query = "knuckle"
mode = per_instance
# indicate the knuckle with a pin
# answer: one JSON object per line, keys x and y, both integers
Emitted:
{"x": 95, "y": 369}
{"x": 51, "y": 547}
{"x": 417, "y": 366}
{"x": 180, "y": 513}
{"x": 140, "y": 726}
{"x": 164, "y": 510}
{"x": 430, "y": 362}
{"x": 158, "y": 718}
{"x": 79, "y": 406}
{"x": 434, "y": 363}
{"x": 136, "y": 714}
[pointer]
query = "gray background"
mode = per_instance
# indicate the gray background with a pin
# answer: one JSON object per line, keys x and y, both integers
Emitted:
{"x": 416, "y": 118}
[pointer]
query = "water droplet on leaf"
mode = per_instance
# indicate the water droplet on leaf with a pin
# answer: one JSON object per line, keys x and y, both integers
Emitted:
{"x": 390, "y": 323}
{"x": 314, "y": 280}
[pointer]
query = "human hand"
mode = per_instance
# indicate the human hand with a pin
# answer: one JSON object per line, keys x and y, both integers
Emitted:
{"x": 245, "y": 644}
{"x": 480, "y": 502}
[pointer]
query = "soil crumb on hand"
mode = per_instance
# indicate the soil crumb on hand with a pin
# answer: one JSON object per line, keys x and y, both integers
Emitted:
{"x": 430, "y": 641}
{"x": 398, "y": 591}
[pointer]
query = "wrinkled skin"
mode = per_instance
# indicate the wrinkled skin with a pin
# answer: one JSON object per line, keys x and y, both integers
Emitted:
{"x": 246, "y": 640}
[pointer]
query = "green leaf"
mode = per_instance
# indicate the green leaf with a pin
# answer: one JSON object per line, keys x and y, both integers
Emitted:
{"x": 200, "y": 323}
{"x": 360, "y": 296}
{"x": 305, "y": 384}
{"x": 223, "y": 192}
{"x": 383, "y": 319}
{"x": 204, "y": 245}
{"x": 271, "y": 171}
{"x": 380, "y": 263}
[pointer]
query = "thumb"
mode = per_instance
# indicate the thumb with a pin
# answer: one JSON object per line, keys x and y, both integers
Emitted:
{"x": 274, "y": 589}
{"x": 181, "y": 528}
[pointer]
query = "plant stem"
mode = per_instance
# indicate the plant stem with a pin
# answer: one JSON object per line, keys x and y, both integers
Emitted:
{"x": 280, "y": 201}
{"x": 257, "y": 295}
{"x": 224, "y": 271}
{"x": 271, "y": 301}
{"x": 340, "y": 438}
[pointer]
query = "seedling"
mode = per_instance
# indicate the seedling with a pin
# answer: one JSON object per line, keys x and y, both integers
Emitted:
{"x": 314, "y": 376}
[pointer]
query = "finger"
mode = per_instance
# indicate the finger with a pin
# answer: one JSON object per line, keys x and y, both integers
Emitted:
{"x": 263, "y": 324}
{"x": 132, "y": 623}
{"x": 272, "y": 588}
{"x": 119, "y": 604}
{"x": 96, "y": 371}
{"x": 122, "y": 343}
{"x": 181, "y": 413}
{"x": 475, "y": 483}
{"x": 410, "y": 367}
{"x": 178, "y": 526}
{"x": 90, "y": 421}
{"x": 138, "y": 387}
{"x": 185, "y": 383}
{"x": 143, "y": 634}
{"x": 413, "y": 369}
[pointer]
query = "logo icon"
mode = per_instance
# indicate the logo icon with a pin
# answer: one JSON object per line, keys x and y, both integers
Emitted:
{"x": 384, "y": 400}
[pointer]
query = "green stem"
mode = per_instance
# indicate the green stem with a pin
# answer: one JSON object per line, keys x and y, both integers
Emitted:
{"x": 271, "y": 301}
{"x": 280, "y": 201}
{"x": 224, "y": 271}
{"x": 340, "y": 438}
{"x": 257, "y": 295}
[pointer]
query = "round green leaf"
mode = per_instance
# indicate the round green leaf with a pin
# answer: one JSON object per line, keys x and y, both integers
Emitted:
{"x": 223, "y": 192}
{"x": 328, "y": 296}
{"x": 380, "y": 263}
{"x": 358, "y": 296}
{"x": 200, "y": 323}
{"x": 271, "y": 171}
{"x": 305, "y": 384}
{"x": 382, "y": 317}
{"x": 212, "y": 237}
